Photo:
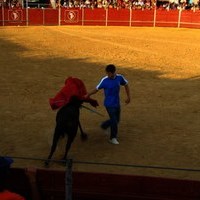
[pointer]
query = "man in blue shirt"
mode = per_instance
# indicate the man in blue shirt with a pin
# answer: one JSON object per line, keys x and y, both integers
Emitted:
{"x": 111, "y": 85}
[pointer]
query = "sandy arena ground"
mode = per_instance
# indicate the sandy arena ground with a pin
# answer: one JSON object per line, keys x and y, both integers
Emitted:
{"x": 160, "y": 127}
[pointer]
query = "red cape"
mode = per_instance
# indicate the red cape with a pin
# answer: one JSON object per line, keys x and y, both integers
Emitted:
{"x": 73, "y": 87}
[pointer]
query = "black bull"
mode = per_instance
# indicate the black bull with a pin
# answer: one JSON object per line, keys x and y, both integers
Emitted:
{"x": 67, "y": 122}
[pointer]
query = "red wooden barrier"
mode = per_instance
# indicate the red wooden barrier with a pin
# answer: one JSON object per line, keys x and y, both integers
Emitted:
{"x": 142, "y": 18}
{"x": 167, "y": 18}
{"x": 100, "y": 17}
{"x": 71, "y": 16}
{"x": 98, "y": 186}
{"x": 1, "y": 18}
{"x": 42, "y": 17}
{"x": 122, "y": 18}
{"x": 51, "y": 17}
{"x": 14, "y": 17}
{"x": 190, "y": 19}
{"x": 33, "y": 20}
{"x": 95, "y": 17}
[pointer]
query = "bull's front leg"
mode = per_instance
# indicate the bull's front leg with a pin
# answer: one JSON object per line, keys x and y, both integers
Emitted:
{"x": 58, "y": 132}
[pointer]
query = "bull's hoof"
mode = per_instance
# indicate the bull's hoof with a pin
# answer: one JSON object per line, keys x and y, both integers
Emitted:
{"x": 63, "y": 161}
{"x": 46, "y": 163}
{"x": 84, "y": 136}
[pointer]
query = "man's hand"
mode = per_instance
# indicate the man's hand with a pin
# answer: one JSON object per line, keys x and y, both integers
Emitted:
{"x": 128, "y": 100}
{"x": 86, "y": 96}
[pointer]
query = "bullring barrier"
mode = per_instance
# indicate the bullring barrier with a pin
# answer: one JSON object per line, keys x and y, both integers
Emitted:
{"x": 99, "y": 17}
{"x": 68, "y": 184}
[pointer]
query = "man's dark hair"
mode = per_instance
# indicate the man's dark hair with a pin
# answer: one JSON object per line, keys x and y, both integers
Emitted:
{"x": 110, "y": 68}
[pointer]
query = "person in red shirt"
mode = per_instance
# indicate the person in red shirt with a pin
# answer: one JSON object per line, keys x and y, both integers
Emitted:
{"x": 8, "y": 195}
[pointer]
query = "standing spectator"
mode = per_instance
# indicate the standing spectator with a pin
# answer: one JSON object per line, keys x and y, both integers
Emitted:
{"x": 111, "y": 85}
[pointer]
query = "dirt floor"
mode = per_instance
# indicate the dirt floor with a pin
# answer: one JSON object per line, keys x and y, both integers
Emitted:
{"x": 160, "y": 127}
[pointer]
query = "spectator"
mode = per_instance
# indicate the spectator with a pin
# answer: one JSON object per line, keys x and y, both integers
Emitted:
{"x": 5, "y": 163}
{"x": 5, "y": 194}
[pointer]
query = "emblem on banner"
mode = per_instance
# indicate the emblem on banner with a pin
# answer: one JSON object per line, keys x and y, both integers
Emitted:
{"x": 15, "y": 15}
{"x": 71, "y": 16}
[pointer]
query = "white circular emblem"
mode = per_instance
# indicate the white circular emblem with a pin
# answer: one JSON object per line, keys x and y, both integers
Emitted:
{"x": 71, "y": 15}
{"x": 15, "y": 15}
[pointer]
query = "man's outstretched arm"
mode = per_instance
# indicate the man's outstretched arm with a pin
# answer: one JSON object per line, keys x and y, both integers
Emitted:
{"x": 127, "y": 94}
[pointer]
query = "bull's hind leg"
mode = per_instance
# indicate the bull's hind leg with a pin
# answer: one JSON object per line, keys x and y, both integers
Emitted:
{"x": 84, "y": 135}
{"x": 70, "y": 140}
{"x": 57, "y": 133}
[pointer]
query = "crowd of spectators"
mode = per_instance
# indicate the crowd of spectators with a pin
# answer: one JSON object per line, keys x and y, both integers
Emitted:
{"x": 10, "y": 3}
{"x": 179, "y": 4}
{"x": 133, "y": 4}
{"x": 118, "y": 4}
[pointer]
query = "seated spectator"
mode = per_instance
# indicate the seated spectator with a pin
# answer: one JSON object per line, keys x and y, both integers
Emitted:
{"x": 5, "y": 194}
{"x": 87, "y": 3}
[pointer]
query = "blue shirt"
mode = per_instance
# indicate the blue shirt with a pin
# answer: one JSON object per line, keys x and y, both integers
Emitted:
{"x": 111, "y": 89}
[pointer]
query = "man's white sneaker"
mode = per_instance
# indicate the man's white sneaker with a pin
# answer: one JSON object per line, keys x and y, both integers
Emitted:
{"x": 114, "y": 141}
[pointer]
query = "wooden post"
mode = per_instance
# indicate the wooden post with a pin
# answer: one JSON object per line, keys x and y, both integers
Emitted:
{"x": 68, "y": 180}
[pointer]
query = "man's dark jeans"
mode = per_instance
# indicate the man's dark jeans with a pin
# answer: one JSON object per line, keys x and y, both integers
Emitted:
{"x": 114, "y": 114}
